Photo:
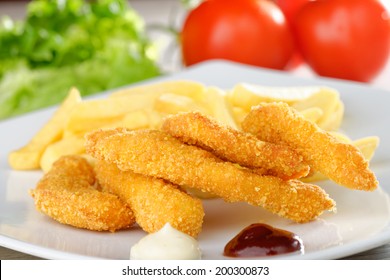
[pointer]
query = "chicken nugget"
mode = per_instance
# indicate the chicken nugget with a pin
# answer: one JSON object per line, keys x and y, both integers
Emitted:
{"x": 341, "y": 162}
{"x": 236, "y": 146}
{"x": 155, "y": 202}
{"x": 67, "y": 193}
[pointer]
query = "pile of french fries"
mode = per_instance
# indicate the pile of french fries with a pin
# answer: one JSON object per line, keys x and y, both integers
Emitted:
{"x": 146, "y": 106}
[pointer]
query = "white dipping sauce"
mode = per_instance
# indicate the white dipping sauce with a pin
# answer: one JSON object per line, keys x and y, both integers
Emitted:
{"x": 166, "y": 244}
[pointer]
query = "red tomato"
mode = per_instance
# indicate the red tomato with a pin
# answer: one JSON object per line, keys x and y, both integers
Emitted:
{"x": 290, "y": 8}
{"x": 248, "y": 31}
{"x": 347, "y": 39}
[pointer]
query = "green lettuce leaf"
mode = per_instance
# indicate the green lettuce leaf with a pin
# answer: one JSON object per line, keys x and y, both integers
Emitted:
{"x": 91, "y": 45}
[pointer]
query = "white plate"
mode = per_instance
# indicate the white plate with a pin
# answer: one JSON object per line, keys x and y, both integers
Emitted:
{"x": 361, "y": 223}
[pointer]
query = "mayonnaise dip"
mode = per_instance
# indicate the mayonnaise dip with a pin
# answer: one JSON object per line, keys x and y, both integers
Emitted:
{"x": 166, "y": 244}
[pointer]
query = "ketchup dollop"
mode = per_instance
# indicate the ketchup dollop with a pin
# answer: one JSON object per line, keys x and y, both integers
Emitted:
{"x": 259, "y": 240}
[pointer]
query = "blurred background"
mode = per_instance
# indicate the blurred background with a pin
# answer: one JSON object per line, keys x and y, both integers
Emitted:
{"x": 49, "y": 45}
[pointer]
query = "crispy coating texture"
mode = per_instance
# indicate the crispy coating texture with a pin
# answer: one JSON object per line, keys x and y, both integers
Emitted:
{"x": 341, "y": 162}
{"x": 236, "y": 146}
{"x": 155, "y": 202}
{"x": 158, "y": 154}
{"x": 67, "y": 193}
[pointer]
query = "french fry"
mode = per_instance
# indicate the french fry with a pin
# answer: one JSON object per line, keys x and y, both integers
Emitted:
{"x": 146, "y": 118}
{"x": 367, "y": 146}
{"x": 219, "y": 106}
{"x": 93, "y": 114}
{"x": 170, "y": 103}
{"x": 28, "y": 157}
{"x": 301, "y": 98}
{"x": 314, "y": 177}
{"x": 90, "y": 115}
{"x": 182, "y": 87}
{"x": 247, "y": 95}
{"x": 328, "y": 100}
{"x": 341, "y": 137}
{"x": 67, "y": 146}
{"x": 334, "y": 120}
{"x": 239, "y": 114}
{"x": 312, "y": 114}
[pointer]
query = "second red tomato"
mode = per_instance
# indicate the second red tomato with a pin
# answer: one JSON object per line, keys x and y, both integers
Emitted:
{"x": 347, "y": 39}
{"x": 253, "y": 32}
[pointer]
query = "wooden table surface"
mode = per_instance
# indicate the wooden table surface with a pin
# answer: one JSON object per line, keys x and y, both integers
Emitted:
{"x": 157, "y": 12}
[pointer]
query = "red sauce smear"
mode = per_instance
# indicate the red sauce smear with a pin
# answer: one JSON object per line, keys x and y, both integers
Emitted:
{"x": 259, "y": 240}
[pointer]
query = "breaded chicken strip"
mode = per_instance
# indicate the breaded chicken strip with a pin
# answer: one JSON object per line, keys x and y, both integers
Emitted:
{"x": 155, "y": 153}
{"x": 155, "y": 202}
{"x": 67, "y": 193}
{"x": 236, "y": 146}
{"x": 341, "y": 162}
